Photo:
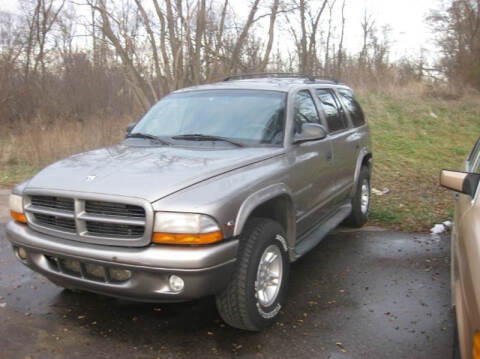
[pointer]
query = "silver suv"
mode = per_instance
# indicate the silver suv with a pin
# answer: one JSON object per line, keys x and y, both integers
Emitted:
{"x": 215, "y": 191}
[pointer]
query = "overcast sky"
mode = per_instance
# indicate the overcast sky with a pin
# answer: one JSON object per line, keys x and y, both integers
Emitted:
{"x": 406, "y": 17}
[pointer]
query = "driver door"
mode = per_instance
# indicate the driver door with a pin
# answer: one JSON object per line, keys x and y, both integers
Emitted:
{"x": 312, "y": 167}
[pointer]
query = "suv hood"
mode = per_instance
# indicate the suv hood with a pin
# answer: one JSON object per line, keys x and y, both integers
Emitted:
{"x": 149, "y": 173}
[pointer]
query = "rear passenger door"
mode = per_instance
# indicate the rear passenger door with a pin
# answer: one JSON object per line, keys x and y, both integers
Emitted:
{"x": 344, "y": 140}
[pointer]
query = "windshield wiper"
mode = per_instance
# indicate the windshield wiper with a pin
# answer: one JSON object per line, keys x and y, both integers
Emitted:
{"x": 148, "y": 136}
{"x": 200, "y": 137}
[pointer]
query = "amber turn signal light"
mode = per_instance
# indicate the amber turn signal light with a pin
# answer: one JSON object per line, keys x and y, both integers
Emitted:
{"x": 19, "y": 217}
{"x": 476, "y": 346}
{"x": 177, "y": 238}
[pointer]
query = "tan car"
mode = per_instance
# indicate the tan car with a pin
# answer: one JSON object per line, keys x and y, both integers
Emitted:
{"x": 465, "y": 252}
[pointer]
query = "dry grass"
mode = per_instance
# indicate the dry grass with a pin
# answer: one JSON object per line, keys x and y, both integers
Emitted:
{"x": 32, "y": 146}
{"x": 414, "y": 134}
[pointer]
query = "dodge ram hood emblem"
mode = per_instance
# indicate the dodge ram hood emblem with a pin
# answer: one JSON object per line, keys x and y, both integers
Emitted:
{"x": 90, "y": 178}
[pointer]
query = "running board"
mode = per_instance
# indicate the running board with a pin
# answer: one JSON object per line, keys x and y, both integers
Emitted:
{"x": 316, "y": 236}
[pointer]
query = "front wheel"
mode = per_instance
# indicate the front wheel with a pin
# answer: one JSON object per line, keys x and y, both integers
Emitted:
{"x": 256, "y": 293}
{"x": 361, "y": 201}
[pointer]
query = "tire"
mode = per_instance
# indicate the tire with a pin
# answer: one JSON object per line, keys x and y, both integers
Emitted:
{"x": 359, "y": 215}
{"x": 243, "y": 304}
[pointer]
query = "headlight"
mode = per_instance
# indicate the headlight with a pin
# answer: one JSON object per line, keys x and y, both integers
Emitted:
{"x": 16, "y": 208}
{"x": 185, "y": 228}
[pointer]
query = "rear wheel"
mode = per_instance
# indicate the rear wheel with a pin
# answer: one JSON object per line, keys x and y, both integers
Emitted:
{"x": 361, "y": 201}
{"x": 256, "y": 293}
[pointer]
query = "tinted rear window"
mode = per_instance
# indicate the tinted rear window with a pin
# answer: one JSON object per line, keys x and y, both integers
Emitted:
{"x": 352, "y": 107}
{"x": 335, "y": 120}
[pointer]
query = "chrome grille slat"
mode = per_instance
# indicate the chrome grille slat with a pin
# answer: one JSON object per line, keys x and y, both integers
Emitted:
{"x": 112, "y": 220}
{"x": 114, "y": 209}
{"x": 54, "y": 221}
{"x": 53, "y": 202}
{"x": 107, "y": 222}
{"x": 119, "y": 230}
{"x": 51, "y": 212}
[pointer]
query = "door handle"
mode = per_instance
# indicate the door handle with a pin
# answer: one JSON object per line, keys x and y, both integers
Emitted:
{"x": 354, "y": 137}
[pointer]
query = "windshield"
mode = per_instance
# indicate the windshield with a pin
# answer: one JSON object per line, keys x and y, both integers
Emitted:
{"x": 247, "y": 116}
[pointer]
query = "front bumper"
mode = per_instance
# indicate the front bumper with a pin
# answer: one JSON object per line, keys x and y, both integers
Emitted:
{"x": 205, "y": 270}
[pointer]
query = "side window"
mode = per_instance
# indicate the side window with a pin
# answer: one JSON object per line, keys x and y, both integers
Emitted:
{"x": 353, "y": 108}
{"x": 335, "y": 120}
{"x": 305, "y": 110}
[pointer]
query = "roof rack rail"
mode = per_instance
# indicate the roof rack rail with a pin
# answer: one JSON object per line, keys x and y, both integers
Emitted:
{"x": 309, "y": 78}
{"x": 327, "y": 79}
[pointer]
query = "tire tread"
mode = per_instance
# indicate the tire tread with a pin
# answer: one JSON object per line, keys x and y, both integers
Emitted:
{"x": 357, "y": 219}
{"x": 232, "y": 301}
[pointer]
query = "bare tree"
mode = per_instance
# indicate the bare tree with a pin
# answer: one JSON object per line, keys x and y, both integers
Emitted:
{"x": 326, "y": 66}
{"x": 368, "y": 27}
{"x": 46, "y": 16}
{"x": 271, "y": 33}
{"x": 235, "y": 57}
{"x": 153, "y": 43}
{"x": 458, "y": 29}
{"x": 340, "y": 55}
{"x": 140, "y": 87}
{"x": 309, "y": 21}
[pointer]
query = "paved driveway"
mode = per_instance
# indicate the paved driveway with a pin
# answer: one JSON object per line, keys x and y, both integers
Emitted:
{"x": 364, "y": 294}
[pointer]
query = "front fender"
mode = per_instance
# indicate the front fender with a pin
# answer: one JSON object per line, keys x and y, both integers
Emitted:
{"x": 257, "y": 198}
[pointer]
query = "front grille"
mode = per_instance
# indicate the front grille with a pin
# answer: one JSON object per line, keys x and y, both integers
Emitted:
{"x": 90, "y": 220}
{"x": 117, "y": 230}
{"x": 55, "y": 222}
{"x": 53, "y": 202}
{"x": 114, "y": 209}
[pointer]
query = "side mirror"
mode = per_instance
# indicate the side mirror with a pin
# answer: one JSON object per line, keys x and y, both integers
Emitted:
{"x": 463, "y": 182}
{"x": 130, "y": 127}
{"x": 310, "y": 132}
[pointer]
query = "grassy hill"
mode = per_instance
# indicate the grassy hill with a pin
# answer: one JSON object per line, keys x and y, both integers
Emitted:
{"x": 414, "y": 137}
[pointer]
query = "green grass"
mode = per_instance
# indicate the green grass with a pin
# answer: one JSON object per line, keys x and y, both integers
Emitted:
{"x": 413, "y": 137}
{"x": 13, "y": 173}
{"x": 386, "y": 216}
